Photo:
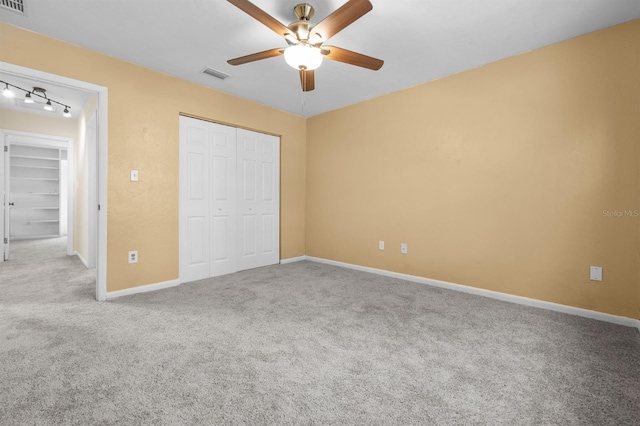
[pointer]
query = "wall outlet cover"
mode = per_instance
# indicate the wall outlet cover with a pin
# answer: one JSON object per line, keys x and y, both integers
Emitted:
{"x": 133, "y": 256}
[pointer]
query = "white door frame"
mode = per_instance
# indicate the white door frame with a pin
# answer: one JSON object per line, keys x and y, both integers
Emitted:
{"x": 101, "y": 173}
{"x": 92, "y": 199}
{"x": 15, "y": 137}
{"x": 4, "y": 220}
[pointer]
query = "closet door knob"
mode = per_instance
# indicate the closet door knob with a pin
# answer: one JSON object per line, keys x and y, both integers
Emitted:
{"x": 10, "y": 204}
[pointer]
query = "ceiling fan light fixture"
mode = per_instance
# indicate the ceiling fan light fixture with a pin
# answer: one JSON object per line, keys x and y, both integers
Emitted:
{"x": 303, "y": 57}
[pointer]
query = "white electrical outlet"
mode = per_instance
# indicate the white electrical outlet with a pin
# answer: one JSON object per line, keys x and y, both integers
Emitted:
{"x": 381, "y": 245}
{"x": 403, "y": 248}
{"x": 133, "y": 256}
{"x": 134, "y": 175}
{"x": 596, "y": 273}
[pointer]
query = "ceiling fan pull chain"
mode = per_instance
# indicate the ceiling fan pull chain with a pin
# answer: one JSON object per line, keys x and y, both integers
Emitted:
{"x": 303, "y": 76}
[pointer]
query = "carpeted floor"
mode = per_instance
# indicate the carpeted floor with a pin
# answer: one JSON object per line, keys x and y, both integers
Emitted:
{"x": 302, "y": 343}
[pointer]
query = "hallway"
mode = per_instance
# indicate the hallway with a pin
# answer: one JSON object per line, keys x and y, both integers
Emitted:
{"x": 40, "y": 270}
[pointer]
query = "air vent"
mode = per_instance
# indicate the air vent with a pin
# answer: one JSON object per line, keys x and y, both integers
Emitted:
{"x": 14, "y": 5}
{"x": 216, "y": 73}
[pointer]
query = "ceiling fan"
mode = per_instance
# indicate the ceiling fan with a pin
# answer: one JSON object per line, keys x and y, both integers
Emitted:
{"x": 306, "y": 40}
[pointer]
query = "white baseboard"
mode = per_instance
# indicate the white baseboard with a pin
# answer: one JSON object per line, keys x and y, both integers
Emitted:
{"x": 142, "y": 289}
{"x": 629, "y": 322}
{"x": 292, "y": 259}
{"x": 84, "y": 262}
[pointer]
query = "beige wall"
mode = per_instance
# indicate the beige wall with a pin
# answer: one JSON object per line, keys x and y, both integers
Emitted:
{"x": 495, "y": 178}
{"x": 144, "y": 106}
{"x": 25, "y": 122}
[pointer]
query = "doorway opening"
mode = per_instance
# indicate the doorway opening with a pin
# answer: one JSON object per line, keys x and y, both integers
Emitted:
{"x": 40, "y": 192}
{"x": 94, "y": 154}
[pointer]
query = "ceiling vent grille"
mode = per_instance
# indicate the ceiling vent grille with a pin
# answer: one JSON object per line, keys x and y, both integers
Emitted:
{"x": 216, "y": 73}
{"x": 14, "y": 5}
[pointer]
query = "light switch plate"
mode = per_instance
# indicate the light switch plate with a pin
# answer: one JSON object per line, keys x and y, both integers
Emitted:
{"x": 596, "y": 273}
{"x": 381, "y": 245}
{"x": 403, "y": 248}
{"x": 134, "y": 175}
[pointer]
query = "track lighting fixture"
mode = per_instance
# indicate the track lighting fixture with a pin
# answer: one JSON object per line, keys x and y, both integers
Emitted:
{"x": 37, "y": 91}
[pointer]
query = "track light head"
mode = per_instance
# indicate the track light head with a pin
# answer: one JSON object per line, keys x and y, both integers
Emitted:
{"x": 28, "y": 99}
{"x": 66, "y": 113}
{"x": 6, "y": 92}
{"x": 48, "y": 106}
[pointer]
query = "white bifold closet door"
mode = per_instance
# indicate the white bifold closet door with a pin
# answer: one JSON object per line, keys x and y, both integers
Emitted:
{"x": 258, "y": 199}
{"x": 229, "y": 199}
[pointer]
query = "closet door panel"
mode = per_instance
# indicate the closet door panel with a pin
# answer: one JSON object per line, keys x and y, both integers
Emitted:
{"x": 248, "y": 238}
{"x": 269, "y": 152}
{"x": 194, "y": 200}
{"x": 248, "y": 202}
{"x": 223, "y": 209}
{"x": 258, "y": 185}
{"x": 268, "y": 225}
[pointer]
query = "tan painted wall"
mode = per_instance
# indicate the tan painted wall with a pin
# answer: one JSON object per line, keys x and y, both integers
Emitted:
{"x": 25, "y": 122}
{"x": 80, "y": 218}
{"x": 496, "y": 178}
{"x": 144, "y": 106}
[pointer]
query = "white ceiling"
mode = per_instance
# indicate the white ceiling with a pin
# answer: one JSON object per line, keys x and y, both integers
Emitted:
{"x": 419, "y": 40}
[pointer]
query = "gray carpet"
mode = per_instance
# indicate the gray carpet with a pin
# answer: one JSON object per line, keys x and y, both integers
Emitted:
{"x": 302, "y": 343}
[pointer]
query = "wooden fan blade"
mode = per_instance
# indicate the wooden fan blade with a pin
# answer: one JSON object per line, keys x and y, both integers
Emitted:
{"x": 353, "y": 58}
{"x": 344, "y": 16}
{"x": 255, "y": 57}
{"x": 262, "y": 16}
{"x": 307, "y": 80}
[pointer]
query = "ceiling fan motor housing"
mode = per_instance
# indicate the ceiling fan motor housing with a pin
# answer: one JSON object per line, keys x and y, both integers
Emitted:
{"x": 304, "y": 11}
{"x": 302, "y": 29}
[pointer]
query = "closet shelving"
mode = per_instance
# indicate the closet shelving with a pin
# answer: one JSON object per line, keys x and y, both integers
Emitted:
{"x": 35, "y": 191}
